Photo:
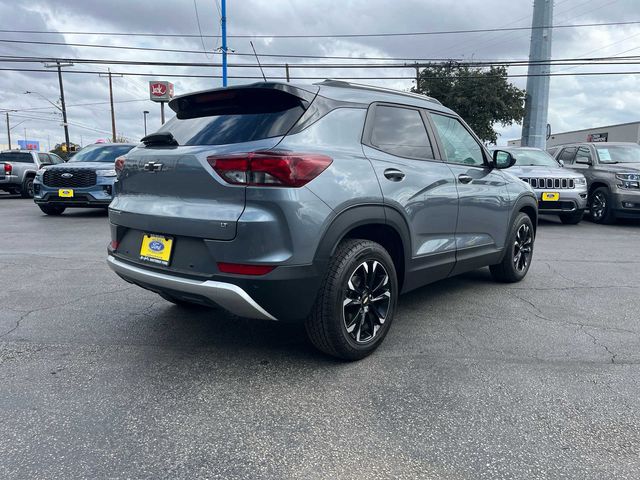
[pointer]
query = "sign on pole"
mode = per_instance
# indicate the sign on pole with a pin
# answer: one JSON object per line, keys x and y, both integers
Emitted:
{"x": 160, "y": 91}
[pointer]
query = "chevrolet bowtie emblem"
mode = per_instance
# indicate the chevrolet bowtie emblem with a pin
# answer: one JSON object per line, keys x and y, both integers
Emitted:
{"x": 152, "y": 167}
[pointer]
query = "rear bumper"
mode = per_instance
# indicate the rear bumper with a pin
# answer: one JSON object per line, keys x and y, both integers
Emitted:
{"x": 228, "y": 296}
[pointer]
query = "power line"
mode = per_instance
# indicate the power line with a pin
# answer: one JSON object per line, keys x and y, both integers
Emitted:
{"x": 327, "y": 35}
{"x": 609, "y": 60}
{"x": 35, "y": 109}
{"x": 254, "y": 77}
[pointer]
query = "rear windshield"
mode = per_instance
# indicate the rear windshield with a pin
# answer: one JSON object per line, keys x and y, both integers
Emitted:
{"x": 238, "y": 116}
{"x": 100, "y": 153}
{"x": 16, "y": 157}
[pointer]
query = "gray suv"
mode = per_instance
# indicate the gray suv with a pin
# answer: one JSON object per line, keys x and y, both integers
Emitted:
{"x": 315, "y": 203}
{"x": 560, "y": 191}
{"x": 612, "y": 171}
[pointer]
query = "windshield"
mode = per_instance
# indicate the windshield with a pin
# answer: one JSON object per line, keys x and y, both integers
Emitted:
{"x": 533, "y": 158}
{"x": 100, "y": 153}
{"x": 619, "y": 154}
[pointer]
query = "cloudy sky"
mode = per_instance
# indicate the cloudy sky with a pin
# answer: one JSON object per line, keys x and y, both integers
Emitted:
{"x": 576, "y": 101}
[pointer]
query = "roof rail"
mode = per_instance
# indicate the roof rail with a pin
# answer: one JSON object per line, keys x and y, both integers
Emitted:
{"x": 342, "y": 84}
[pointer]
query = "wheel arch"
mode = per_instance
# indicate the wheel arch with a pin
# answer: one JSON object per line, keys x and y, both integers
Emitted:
{"x": 378, "y": 223}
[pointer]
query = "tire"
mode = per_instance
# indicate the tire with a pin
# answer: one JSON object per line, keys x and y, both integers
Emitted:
{"x": 572, "y": 218}
{"x": 519, "y": 252}
{"x": 600, "y": 206}
{"x": 26, "y": 191}
{"x": 52, "y": 209}
{"x": 356, "y": 302}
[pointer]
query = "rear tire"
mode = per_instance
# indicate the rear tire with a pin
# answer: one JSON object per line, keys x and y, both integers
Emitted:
{"x": 26, "y": 191}
{"x": 600, "y": 206}
{"x": 52, "y": 209}
{"x": 572, "y": 218}
{"x": 519, "y": 252}
{"x": 356, "y": 302}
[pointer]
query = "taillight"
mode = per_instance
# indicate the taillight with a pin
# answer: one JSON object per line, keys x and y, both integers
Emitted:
{"x": 114, "y": 244}
{"x": 242, "y": 269}
{"x": 8, "y": 169}
{"x": 270, "y": 169}
{"x": 120, "y": 164}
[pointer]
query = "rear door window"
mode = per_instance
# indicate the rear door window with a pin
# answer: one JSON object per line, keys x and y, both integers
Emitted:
{"x": 583, "y": 156}
{"x": 234, "y": 116}
{"x": 400, "y": 131}
{"x": 16, "y": 157}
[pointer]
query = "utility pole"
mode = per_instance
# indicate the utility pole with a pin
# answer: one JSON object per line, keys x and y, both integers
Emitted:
{"x": 8, "y": 131}
{"x": 536, "y": 106}
{"x": 59, "y": 66}
{"x": 223, "y": 30}
{"x": 113, "y": 113}
{"x": 286, "y": 66}
{"x": 162, "y": 113}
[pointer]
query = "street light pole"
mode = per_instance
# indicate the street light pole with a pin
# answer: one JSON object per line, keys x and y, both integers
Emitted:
{"x": 144, "y": 115}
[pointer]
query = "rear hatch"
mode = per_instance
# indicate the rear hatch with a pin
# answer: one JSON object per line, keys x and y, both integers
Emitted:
{"x": 168, "y": 187}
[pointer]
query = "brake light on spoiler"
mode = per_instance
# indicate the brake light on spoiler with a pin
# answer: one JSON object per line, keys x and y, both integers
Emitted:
{"x": 270, "y": 169}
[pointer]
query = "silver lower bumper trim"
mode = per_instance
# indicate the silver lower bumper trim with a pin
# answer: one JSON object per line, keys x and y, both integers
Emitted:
{"x": 228, "y": 296}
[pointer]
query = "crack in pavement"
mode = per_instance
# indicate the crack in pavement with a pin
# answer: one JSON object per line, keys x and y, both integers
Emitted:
{"x": 29, "y": 312}
{"x": 581, "y": 326}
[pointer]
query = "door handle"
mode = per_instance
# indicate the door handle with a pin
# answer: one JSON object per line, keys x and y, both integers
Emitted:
{"x": 394, "y": 174}
{"x": 464, "y": 178}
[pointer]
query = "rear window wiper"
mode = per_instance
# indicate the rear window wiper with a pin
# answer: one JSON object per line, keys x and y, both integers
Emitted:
{"x": 160, "y": 139}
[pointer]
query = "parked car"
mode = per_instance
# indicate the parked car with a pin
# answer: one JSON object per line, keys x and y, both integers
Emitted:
{"x": 86, "y": 180}
{"x": 560, "y": 191}
{"x": 317, "y": 203}
{"x": 18, "y": 169}
{"x": 612, "y": 171}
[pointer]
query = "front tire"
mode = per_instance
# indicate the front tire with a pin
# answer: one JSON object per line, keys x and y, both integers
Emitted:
{"x": 517, "y": 259}
{"x": 600, "y": 206}
{"x": 572, "y": 218}
{"x": 26, "y": 191}
{"x": 52, "y": 209}
{"x": 356, "y": 302}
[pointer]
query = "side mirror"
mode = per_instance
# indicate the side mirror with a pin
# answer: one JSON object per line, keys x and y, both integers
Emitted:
{"x": 503, "y": 159}
{"x": 561, "y": 162}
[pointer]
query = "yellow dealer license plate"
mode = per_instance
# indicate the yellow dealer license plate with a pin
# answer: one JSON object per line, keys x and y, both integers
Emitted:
{"x": 550, "y": 196}
{"x": 156, "y": 249}
{"x": 65, "y": 192}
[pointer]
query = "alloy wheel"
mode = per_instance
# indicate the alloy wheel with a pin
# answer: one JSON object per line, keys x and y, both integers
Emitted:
{"x": 598, "y": 205}
{"x": 523, "y": 247}
{"x": 366, "y": 301}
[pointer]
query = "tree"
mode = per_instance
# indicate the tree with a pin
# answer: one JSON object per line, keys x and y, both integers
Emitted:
{"x": 483, "y": 97}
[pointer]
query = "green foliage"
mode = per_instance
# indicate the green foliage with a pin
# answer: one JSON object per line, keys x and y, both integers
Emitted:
{"x": 483, "y": 97}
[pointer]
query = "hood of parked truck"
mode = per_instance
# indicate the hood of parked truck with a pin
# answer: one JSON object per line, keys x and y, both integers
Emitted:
{"x": 542, "y": 172}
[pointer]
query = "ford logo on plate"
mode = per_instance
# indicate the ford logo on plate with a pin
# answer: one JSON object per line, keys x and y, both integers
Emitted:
{"x": 67, "y": 175}
{"x": 156, "y": 246}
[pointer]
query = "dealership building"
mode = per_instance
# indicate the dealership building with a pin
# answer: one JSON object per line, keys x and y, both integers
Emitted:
{"x": 624, "y": 132}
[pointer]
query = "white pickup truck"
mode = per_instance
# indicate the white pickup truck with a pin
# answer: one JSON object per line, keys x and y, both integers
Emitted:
{"x": 18, "y": 169}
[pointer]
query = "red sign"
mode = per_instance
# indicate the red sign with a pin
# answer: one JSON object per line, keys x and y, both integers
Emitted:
{"x": 161, "y": 91}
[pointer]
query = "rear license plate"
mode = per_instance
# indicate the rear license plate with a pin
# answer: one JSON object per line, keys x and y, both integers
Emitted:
{"x": 156, "y": 249}
{"x": 65, "y": 192}
{"x": 550, "y": 196}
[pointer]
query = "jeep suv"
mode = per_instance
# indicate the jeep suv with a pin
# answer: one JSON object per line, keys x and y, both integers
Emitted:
{"x": 560, "y": 191}
{"x": 315, "y": 203}
{"x": 612, "y": 170}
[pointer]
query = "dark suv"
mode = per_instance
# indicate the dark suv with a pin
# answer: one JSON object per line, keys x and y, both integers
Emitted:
{"x": 612, "y": 171}
{"x": 317, "y": 203}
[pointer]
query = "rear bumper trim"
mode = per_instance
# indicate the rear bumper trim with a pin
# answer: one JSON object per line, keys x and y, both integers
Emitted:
{"x": 228, "y": 296}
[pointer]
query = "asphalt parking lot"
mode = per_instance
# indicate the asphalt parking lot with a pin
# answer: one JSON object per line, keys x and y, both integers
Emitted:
{"x": 100, "y": 379}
